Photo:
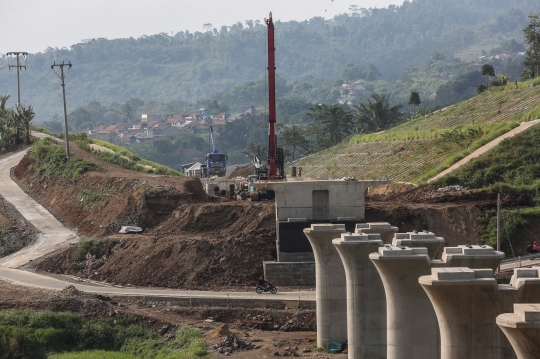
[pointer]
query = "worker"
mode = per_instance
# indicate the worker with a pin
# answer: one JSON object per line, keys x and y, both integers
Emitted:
{"x": 299, "y": 171}
{"x": 262, "y": 283}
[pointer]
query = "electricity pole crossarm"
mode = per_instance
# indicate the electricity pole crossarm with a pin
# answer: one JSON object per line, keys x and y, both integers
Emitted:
{"x": 18, "y": 66}
{"x": 62, "y": 77}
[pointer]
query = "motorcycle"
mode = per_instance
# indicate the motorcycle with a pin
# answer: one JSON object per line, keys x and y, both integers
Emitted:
{"x": 269, "y": 288}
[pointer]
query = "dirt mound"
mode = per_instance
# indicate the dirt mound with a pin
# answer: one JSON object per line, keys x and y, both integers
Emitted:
{"x": 241, "y": 171}
{"x": 98, "y": 203}
{"x": 199, "y": 246}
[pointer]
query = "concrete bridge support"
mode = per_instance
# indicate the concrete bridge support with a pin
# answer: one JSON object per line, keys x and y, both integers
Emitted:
{"x": 472, "y": 257}
{"x": 331, "y": 292}
{"x": 411, "y": 320}
{"x": 522, "y": 328}
{"x": 385, "y": 229}
{"x": 366, "y": 301}
{"x": 416, "y": 239}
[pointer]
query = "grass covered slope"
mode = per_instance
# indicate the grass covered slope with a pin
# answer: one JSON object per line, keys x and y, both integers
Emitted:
{"x": 425, "y": 146}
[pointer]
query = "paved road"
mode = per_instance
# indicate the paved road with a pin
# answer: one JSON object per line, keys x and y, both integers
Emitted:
{"x": 526, "y": 261}
{"x": 38, "y": 281}
{"x": 522, "y": 127}
{"x": 54, "y": 235}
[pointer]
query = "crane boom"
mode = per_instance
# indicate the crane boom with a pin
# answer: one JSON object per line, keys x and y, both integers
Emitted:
{"x": 214, "y": 148}
{"x": 272, "y": 140}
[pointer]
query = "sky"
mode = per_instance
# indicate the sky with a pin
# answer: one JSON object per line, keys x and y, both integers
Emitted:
{"x": 33, "y": 25}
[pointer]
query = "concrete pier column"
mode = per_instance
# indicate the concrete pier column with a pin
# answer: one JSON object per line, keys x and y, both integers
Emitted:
{"x": 472, "y": 257}
{"x": 330, "y": 282}
{"x": 412, "y": 324}
{"x": 385, "y": 229}
{"x": 522, "y": 328}
{"x": 417, "y": 239}
{"x": 465, "y": 301}
{"x": 366, "y": 301}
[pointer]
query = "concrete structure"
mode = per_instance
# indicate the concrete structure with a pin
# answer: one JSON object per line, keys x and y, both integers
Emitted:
{"x": 472, "y": 256}
{"x": 385, "y": 229}
{"x": 321, "y": 200}
{"x": 417, "y": 239}
{"x": 464, "y": 303}
{"x": 411, "y": 321}
{"x": 290, "y": 273}
{"x": 330, "y": 284}
{"x": 366, "y": 301}
{"x": 522, "y": 328}
{"x": 407, "y": 304}
{"x": 467, "y": 303}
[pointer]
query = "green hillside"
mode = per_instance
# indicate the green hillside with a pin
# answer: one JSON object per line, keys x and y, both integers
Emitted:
{"x": 423, "y": 147}
{"x": 185, "y": 67}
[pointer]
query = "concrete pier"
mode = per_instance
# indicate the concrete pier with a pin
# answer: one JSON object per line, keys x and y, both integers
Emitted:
{"x": 465, "y": 304}
{"x": 472, "y": 256}
{"x": 411, "y": 319}
{"x": 385, "y": 229}
{"x": 366, "y": 301}
{"x": 522, "y": 328}
{"x": 417, "y": 239}
{"x": 331, "y": 292}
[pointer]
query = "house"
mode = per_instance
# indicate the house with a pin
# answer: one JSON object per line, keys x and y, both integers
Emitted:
{"x": 243, "y": 110}
{"x": 186, "y": 115}
{"x": 197, "y": 127}
{"x": 167, "y": 132}
{"x": 218, "y": 122}
{"x": 131, "y": 139}
{"x": 195, "y": 170}
{"x": 222, "y": 116}
{"x": 150, "y": 117}
{"x": 175, "y": 120}
{"x": 203, "y": 113}
{"x": 358, "y": 87}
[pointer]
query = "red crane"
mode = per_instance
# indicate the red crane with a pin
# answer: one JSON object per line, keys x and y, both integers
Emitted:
{"x": 275, "y": 154}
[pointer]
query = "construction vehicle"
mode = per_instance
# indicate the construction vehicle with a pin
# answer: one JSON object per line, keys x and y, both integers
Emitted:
{"x": 216, "y": 162}
{"x": 275, "y": 165}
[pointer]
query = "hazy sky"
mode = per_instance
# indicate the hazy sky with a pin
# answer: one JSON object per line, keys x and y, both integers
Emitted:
{"x": 33, "y": 25}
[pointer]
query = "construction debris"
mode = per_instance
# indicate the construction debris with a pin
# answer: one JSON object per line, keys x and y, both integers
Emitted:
{"x": 232, "y": 343}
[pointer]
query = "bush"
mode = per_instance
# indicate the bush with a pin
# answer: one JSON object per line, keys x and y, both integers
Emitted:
{"x": 51, "y": 160}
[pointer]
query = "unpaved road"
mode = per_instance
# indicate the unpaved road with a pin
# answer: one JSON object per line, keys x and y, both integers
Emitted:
{"x": 54, "y": 235}
{"x": 524, "y": 126}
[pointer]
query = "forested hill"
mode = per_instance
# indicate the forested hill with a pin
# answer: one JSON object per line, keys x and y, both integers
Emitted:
{"x": 192, "y": 66}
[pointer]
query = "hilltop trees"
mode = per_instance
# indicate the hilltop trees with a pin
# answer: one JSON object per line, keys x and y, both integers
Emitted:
{"x": 332, "y": 124}
{"x": 376, "y": 114}
{"x": 532, "y": 38}
{"x": 488, "y": 71}
{"x": 414, "y": 100}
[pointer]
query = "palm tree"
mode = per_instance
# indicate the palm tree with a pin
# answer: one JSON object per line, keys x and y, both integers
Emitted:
{"x": 333, "y": 124}
{"x": 376, "y": 114}
{"x": 127, "y": 113}
{"x": 25, "y": 116}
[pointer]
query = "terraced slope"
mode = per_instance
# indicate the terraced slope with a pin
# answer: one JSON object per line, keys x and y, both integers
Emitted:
{"x": 425, "y": 146}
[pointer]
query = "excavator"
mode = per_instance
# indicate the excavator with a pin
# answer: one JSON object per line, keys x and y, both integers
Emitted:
{"x": 274, "y": 170}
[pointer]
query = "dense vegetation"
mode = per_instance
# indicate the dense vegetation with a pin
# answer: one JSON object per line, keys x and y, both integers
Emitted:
{"x": 37, "y": 335}
{"x": 186, "y": 67}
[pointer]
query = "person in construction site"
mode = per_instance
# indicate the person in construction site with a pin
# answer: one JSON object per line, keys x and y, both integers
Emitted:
{"x": 533, "y": 248}
{"x": 262, "y": 283}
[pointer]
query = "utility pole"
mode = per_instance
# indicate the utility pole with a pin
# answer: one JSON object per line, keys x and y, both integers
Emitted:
{"x": 62, "y": 77}
{"x": 499, "y": 225}
{"x": 18, "y": 66}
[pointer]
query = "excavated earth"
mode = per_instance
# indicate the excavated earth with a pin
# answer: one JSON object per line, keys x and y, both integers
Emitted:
{"x": 191, "y": 241}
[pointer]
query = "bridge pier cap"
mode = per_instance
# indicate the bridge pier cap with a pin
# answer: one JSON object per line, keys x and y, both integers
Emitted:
{"x": 385, "y": 229}
{"x": 321, "y": 200}
{"x": 522, "y": 328}
{"x": 416, "y": 239}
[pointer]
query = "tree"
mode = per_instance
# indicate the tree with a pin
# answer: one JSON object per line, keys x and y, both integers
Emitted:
{"x": 25, "y": 116}
{"x": 481, "y": 88}
{"x": 532, "y": 38}
{"x": 376, "y": 114}
{"x": 127, "y": 113}
{"x": 488, "y": 71}
{"x": 414, "y": 100}
{"x": 294, "y": 137}
{"x": 333, "y": 123}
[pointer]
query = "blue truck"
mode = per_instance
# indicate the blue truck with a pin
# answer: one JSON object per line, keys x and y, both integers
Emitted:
{"x": 216, "y": 162}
